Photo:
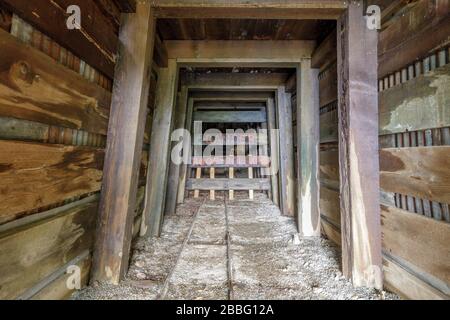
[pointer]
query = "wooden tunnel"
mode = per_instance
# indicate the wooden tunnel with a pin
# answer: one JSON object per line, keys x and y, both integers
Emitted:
{"x": 353, "y": 126}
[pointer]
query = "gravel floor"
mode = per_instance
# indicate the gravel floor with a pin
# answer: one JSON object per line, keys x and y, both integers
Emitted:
{"x": 193, "y": 259}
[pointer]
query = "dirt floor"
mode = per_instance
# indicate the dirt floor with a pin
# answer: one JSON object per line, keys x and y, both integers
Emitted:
{"x": 237, "y": 249}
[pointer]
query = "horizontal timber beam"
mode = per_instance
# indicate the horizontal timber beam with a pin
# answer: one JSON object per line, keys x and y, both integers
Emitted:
{"x": 254, "y": 51}
{"x": 231, "y": 116}
{"x": 262, "y": 9}
{"x": 235, "y": 79}
{"x": 228, "y": 184}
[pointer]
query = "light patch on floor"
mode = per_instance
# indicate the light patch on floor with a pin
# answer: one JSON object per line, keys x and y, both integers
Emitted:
{"x": 259, "y": 260}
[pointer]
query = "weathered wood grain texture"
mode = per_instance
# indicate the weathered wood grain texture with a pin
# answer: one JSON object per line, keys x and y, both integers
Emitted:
{"x": 228, "y": 184}
{"x": 124, "y": 145}
{"x": 266, "y": 9}
{"x": 34, "y": 251}
{"x": 230, "y": 116}
{"x": 159, "y": 150}
{"x": 329, "y": 126}
{"x": 418, "y": 104}
{"x": 174, "y": 168}
{"x": 329, "y": 205}
{"x": 423, "y": 172}
{"x": 5, "y": 19}
{"x": 34, "y": 87}
{"x": 286, "y": 153}
{"x": 57, "y": 289}
{"x": 234, "y": 79}
{"x": 329, "y": 165}
{"x": 187, "y": 152}
{"x": 328, "y": 86}
{"x": 274, "y": 139}
{"x": 308, "y": 136}
{"x": 273, "y": 50}
{"x": 325, "y": 54}
{"x": 331, "y": 232}
{"x": 413, "y": 36}
{"x": 358, "y": 149}
{"x": 407, "y": 285}
{"x": 95, "y": 42}
{"x": 404, "y": 236}
{"x": 36, "y": 175}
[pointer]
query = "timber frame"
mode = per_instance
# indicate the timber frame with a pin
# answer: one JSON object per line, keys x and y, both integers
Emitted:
{"x": 360, "y": 208}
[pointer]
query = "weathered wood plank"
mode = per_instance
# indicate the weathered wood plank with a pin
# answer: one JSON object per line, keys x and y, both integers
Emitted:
{"x": 423, "y": 172}
{"x": 292, "y": 50}
{"x": 325, "y": 53}
{"x": 33, "y": 252}
{"x": 286, "y": 153}
{"x": 328, "y": 86}
{"x": 405, "y": 284}
{"x": 266, "y": 9}
{"x": 329, "y": 126}
{"x": 36, "y": 175}
{"x": 34, "y": 87}
{"x": 329, "y": 205}
{"x": 421, "y": 103}
{"x": 329, "y": 165}
{"x": 274, "y": 139}
{"x": 428, "y": 24}
{"x": 95, "y": 43}
{"x": 187, "y": 147}
{"x": 174, "y": 168}
{"x": 234, "y": 79}
{"x": 331, "y": 232}
{"x": 404, "y": 237}
{"x": 228, "y": 184}
{"x": 230, "y": 116}
{"x": 358, "y": 149}
{"x": 159, "y": 150}
{"x": 124, "y": 146}
{"x": 308, "y": 136}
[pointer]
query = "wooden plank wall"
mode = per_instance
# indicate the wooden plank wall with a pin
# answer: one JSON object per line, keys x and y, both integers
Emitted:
{"x": 54, "y": 112}
{"x": 414, "y": 106}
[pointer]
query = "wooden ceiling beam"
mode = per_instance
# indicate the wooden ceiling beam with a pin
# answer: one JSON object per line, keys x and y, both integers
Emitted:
{"x": 243, "y": 9}
{"x": 234, "y": 79}
{"x": 274, "y": 51}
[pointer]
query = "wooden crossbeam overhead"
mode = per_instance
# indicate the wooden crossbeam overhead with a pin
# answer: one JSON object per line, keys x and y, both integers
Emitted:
{"x": 234, "y": 79}
{"x": 228, "y": 184}
{"x": 239, "y": 52}
{"x": 358, "y": 149}
{"x": 232, "y": 116}
{"x": 243, "y": 9}
{"x": 229, "y": 96}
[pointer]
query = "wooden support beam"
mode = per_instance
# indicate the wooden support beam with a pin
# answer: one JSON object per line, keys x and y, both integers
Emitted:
{"x": 212, "y": 174}
{"x": 308, "y": 150}
{"x": 250, "y": 176}
{"x": 234, "y": 79}
{"x": 232, "y": 116}
{"x": 124, "y": 146}
{"x": 231, "y": 176}
{"x": 286, "y": 149}
{"x": 251, "y": 51}
{"x": 227, "y": 96}
{"x": 187, "y": 145}
{"x": 274, "y": 155}
{"x": 159, "y": 150}
{"x": 174, "y": 168}
{"x": 242, "y": 9}
{"x": 228, "y": 184}
{"x": 358, "y": 149}
{"x": 198, "y": 175}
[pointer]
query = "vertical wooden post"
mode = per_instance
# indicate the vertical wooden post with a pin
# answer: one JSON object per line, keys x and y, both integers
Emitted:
{"x": 124, "y": 145}
{"x": 358, "y": 148}
{"x": 308, "y": 137}
{"x": 231, "y": 176}
{"x": 187, "y": 148}
{"x": 174, "y": 168}
{"x": 159, "y": 150}
{"x": 286, "y": 147}
{"x": 198, "y": 175}
{"x": 212, "y": 175}
{"x": 250, "y": 176}
{"x": 274, "y": 156}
